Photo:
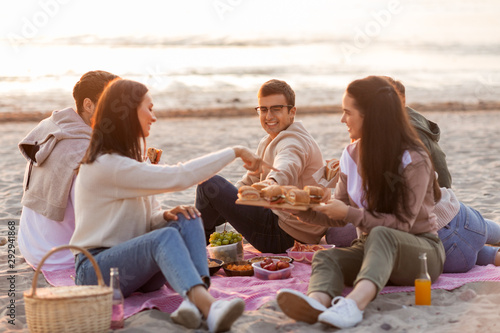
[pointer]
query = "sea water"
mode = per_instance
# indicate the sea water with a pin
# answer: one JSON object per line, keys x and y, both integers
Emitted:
{"x": 445, "y": 51}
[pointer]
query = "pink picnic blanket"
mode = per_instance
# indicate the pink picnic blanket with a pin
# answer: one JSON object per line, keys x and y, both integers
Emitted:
{"x": 256, "y": 292}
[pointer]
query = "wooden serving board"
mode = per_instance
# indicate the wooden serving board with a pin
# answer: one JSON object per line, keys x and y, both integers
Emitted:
{"x": 266, "y": 204}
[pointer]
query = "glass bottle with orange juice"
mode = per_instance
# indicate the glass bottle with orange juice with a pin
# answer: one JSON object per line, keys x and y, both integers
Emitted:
{"x": 423, "y": 283}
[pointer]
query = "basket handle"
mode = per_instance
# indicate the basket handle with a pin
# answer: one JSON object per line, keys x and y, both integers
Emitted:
{"x": 100, "y": 280}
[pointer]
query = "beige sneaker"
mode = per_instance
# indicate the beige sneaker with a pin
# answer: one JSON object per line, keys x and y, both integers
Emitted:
{"x": 187, "y": 315}
{"x": 223, "y": 314}
{"x": 344, "y": 313}
{"x": 299, "y": 306}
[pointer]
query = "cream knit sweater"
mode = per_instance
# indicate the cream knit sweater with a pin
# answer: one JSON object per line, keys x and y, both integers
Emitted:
{"x": 114, "y": 195}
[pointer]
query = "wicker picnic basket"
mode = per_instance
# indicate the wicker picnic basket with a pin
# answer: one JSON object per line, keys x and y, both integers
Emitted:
{"x": 71, "y": 308}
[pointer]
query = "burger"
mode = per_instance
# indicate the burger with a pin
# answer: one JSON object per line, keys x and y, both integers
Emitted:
{"x": 315, "y": 193}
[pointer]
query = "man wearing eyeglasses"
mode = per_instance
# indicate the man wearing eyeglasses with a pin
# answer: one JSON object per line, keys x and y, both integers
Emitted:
{"x": 294, "y": 154}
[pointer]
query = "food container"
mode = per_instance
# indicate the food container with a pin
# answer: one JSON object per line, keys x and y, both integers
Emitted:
{"x": 306, "y": 256}
{"x": 264, "y": 274}
{"x": 213, "y": 268}
{"x": 227, "y": 253}
{"x": 230, "y": 272}
{"x": 282, "y": 258}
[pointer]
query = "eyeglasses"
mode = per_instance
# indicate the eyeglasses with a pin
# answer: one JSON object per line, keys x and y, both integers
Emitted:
{"x": 273, "y": 108}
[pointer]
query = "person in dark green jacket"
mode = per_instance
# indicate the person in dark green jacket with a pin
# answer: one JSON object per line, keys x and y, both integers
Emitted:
{"x": 429, "y": 133}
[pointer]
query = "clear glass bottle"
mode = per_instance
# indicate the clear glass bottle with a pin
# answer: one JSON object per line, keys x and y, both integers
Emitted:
{"x": 117, "y": 316}
{"x": 423, "y": 283}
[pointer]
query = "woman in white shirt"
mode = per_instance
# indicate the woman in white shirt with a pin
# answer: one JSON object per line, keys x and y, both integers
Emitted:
{"x": 119, "y": 221}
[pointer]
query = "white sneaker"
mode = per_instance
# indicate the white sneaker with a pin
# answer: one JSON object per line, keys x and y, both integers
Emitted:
{"x": 299, "y": 306}
{"x": 223, "y": 314}
{"x": 344, "y": 313}
{"x": 187, "y": 315}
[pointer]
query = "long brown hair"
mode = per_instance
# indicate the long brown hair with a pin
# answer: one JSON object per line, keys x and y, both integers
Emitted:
{"x": 385, "y": 135}
{"x": 115, "y": 126}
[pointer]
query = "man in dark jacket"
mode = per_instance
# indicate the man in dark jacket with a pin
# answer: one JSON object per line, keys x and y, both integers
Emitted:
{"x": 429, "y": 133}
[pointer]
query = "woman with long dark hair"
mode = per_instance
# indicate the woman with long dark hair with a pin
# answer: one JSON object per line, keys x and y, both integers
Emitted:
{"x": 119, "y": 221}
{"x": 388, "y": 190}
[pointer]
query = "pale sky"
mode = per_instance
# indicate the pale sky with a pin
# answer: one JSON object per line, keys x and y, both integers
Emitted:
{"x": 237, "y": 18}
{"x": 118, "y": 17}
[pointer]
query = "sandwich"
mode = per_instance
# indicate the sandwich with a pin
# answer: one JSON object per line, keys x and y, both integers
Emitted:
{"x": 332, "y": 169}
{"x": 154, "y": 155}
{"x": 273, "y": 194}
{"x": 315, "y": 193}
{"x": 248, "y": 193}
{"x": 297, "y": 197}
{"x": 260, "y": 185}
{"x": 287, "y": 188}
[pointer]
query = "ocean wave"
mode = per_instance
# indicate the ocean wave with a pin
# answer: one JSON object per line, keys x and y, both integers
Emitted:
{"x": 279, "y": 41}
{"x": 193, "y": 40}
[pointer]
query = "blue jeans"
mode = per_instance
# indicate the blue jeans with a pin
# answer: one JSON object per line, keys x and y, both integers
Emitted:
{"x": 175, "y": 254}
{"x": 215, "y": 200}
{"x": 464, "y": 240}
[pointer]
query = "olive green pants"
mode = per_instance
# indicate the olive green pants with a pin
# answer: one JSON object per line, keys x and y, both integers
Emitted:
{"x": 385, "y": 255}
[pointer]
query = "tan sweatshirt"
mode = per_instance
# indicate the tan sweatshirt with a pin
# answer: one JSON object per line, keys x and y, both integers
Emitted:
{"x": 419, "y": 175}
{"x": 53, "y": 149}
{"x": 297, "y": 156}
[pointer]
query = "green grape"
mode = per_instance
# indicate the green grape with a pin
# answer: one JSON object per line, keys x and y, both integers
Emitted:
{"x": 225, "y": 238}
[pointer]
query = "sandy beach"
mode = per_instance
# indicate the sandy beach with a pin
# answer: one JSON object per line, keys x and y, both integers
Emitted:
{"x": 470, "y": 139}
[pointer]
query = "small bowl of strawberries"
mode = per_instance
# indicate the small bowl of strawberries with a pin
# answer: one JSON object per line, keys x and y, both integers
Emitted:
{"x": 272, "y": 269}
